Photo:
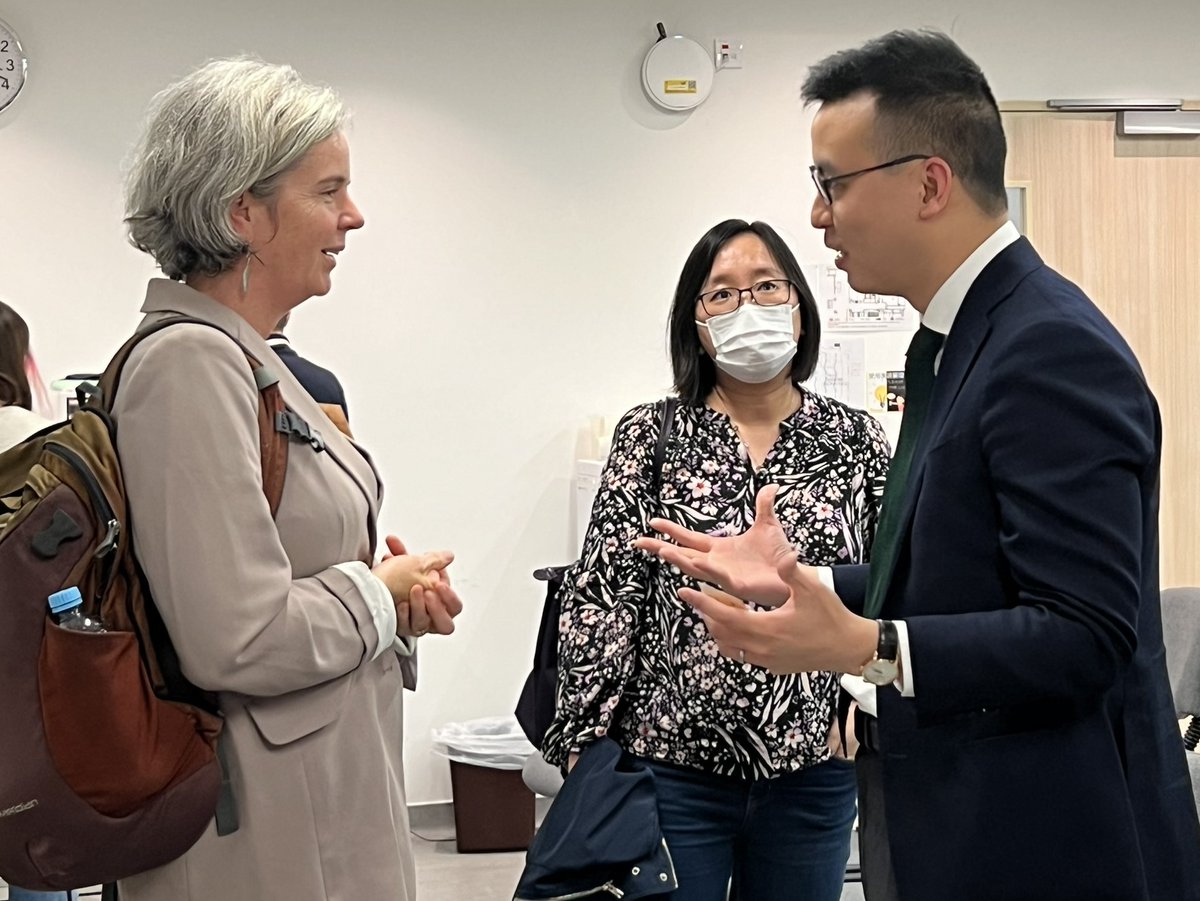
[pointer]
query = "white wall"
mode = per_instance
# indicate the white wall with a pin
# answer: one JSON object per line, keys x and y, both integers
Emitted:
{"x": 527, "y": 214}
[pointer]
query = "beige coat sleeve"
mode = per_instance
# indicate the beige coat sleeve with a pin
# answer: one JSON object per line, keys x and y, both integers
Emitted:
{"x": 219, "y": 573}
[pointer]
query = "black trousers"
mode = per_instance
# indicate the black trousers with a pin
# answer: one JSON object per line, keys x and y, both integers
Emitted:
{"x": 874, "y": 850}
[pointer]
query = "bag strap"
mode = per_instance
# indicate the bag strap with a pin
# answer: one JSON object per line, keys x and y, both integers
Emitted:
{"x": 666, "y": 425}
{"x": 272, "y": 411}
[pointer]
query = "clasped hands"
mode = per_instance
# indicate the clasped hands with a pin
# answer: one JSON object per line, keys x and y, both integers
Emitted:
{"x": 420, "y": 588}
{"x": 807, "y": 628}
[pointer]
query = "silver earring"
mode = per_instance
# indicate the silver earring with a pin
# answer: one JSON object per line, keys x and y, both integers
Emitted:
{"x": 246, "y": 275}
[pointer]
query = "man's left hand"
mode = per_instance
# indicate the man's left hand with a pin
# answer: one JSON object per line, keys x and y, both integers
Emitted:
{"x": 812, "y": 630}
{"x": 745, "y": 564}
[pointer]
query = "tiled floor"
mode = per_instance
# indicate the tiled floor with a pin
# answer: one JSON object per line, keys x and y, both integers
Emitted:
{"x": 445, "y": 875}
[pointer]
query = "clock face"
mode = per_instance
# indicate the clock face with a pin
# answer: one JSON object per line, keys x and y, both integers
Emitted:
{"x": 12, "y": 65}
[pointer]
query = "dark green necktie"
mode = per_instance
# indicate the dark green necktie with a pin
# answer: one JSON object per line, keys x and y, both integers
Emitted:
{"x": 918, "y": 386}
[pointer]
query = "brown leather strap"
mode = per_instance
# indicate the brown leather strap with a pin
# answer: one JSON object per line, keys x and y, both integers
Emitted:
{"x": 273, "y": 444}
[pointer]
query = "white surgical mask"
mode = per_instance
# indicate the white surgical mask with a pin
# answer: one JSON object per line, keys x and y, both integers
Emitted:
{"x": 753, "y": 343}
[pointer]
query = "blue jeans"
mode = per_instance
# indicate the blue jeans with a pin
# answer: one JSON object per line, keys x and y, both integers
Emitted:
{"x": 24, "y": 894}
{"x": 781, "y": 839}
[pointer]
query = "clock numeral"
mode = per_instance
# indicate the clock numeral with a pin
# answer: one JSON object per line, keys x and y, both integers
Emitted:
{"x": 3, "y": 83}
{"x": 3, "y": 46}
{"x": 12, "y": 65}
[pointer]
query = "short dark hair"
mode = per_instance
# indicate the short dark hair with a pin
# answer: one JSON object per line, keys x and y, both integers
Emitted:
{"x": 14, "y": 348}
{"x": 931, "y": 98}
{"x": 695, "y": 373}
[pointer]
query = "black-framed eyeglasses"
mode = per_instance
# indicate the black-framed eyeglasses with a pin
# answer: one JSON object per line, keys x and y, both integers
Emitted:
{"x": 770, "y": 292}
{"x": 825, "y": 183}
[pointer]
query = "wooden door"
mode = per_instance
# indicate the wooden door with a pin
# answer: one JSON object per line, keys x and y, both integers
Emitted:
{"x": 1121, "y": 217}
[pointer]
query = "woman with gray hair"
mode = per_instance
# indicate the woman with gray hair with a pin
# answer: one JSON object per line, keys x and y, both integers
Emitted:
{"x": 239, "y": 189}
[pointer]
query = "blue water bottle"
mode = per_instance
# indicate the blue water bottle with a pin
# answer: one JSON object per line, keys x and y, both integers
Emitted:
{"x": 66, "y": 607}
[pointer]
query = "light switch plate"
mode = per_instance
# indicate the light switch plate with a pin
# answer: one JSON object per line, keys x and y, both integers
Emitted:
{"x": 727, "y": 53}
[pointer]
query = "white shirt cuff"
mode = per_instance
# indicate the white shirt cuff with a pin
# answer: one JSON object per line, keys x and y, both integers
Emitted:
{"x": 378, "y": 600}
{"x": 825, "y": 574}
{"x": 406, "y": 645}
{"x": 904, "y": 658}
{"x": 859, "y": 688}
{"x": 864, "y": 692}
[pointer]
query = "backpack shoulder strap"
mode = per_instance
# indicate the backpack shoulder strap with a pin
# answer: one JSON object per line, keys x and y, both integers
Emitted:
{"x": 273, "y": 440}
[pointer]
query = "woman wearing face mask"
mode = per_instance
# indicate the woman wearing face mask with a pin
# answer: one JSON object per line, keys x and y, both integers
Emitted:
{"x": 750, "y": 787}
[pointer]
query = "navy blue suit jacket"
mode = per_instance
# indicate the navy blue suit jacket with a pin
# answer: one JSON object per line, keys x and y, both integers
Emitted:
{"x": 1041, "y": 756}
{"x": 319, "y": 382}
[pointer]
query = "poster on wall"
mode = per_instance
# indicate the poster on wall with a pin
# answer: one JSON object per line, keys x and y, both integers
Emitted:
{"x": 896, "y": 390}
{"x": 844, "y": 308}
{"x": 877, "y": 399}
{"x": 840, "y": 371}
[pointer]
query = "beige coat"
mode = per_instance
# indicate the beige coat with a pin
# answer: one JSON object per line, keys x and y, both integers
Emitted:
{"x": 257, "y": 612}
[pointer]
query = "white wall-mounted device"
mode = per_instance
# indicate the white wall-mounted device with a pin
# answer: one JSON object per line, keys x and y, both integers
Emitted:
{"x": 678, "y": 73}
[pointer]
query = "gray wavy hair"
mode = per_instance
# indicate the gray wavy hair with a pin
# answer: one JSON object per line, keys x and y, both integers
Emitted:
{"x": 233, "y": 125}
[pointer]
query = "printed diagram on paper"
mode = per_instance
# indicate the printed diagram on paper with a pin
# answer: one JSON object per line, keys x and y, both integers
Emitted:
{"x": 844, "y": 308}
{"x": 840, "y": 371}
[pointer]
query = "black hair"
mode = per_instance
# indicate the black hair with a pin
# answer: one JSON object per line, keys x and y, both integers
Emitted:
{"x": 930, "y": 98}
{"x": 14, "y": 347}
{"x": 694, "y": 371}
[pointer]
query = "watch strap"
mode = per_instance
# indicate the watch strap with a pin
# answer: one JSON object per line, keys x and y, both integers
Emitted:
{"x": 889, "y": 641}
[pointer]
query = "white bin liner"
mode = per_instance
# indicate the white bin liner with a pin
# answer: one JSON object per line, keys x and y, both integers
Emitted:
{"x": 493, "y": 741}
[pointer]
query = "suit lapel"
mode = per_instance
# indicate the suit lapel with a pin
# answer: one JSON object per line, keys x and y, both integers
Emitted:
{"x": 967, "y": 337}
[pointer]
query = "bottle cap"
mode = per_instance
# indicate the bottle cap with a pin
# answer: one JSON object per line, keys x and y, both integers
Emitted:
{"x": 65, "y": 600}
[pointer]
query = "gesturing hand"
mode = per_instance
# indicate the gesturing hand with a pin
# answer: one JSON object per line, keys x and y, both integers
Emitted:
{"x": 812, "y": 630}
{"x": 745, "y": 565}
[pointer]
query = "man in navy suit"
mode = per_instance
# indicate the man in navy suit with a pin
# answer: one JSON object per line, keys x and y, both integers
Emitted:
{"x": 1005, "y": 644}
{"x": 319, "y": 382}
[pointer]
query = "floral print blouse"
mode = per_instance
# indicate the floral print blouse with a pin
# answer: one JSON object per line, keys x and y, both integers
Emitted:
{"x": 646, "y": 656}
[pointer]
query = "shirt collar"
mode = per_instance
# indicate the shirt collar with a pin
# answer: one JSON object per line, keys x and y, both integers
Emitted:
{"x": 944, "y": 307}
{"x": 278, "y": 339}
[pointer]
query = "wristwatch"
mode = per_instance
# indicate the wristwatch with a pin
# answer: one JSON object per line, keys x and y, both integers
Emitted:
{"x": 882, "y": 669}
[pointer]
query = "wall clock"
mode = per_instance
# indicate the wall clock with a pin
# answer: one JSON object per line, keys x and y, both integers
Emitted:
{"x": 13, "y": 65}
